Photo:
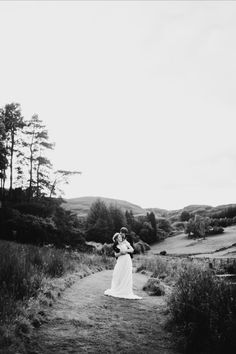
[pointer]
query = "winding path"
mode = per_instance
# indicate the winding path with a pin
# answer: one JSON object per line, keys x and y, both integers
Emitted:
{"x": 83, "y": 320}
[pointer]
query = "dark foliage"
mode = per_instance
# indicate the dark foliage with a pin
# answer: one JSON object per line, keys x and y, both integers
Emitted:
{"x": 204, "y": 309}
{"x": 40, "y": 222}
{"x": 185, "y": 216}
{"x": 229, "y": 212}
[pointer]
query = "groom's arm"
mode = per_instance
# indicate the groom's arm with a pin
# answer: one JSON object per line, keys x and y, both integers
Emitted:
{"x": 129, "y": 247}
{"x": 130, "y": 242}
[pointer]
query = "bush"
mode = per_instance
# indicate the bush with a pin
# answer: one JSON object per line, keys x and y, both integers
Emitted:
{"x": 23, "y": 269}
{"x": 35, "y": 208}
{"x": 185, "y": 216}
{"x": 159, "y": 266}
{"x": 215, "y": 230}
{"x": 154, "y": 287}
{"x": 204, "y": 309}
{"x": 60, "y": 229}
{"x": 107, "y": 250}
{"x": 164, "y": 224}
{"x": 179, "y": 225}
{"x": 141, "y": 247}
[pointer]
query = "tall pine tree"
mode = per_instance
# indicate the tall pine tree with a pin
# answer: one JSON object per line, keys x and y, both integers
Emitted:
{"x": 36, "y": 143}
{"x": 13, "y": 122}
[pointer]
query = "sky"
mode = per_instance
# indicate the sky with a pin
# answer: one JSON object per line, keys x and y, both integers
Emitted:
{"x": 138, "y": 95}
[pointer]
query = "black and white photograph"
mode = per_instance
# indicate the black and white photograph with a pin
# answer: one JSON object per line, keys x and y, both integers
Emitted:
{"x": 117, "y": 177}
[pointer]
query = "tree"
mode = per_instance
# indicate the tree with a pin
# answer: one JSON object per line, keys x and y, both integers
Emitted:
{"x": 43, "y": 165}
{"x": 190, "y": 228}
{"x": 198, "y": 227}
{"x": 129, "y": 216}
{"x": 3, "y": 156}
{"x": 117, "y": 218}
{"x": 147, "y": 233}
{"x": 164, "y": 224}
{"x": 36, "y": 142}
{"x": 151, "y": 217}
{"x": 13, "y": 121}
{"x": 185, "y": 216}
{"x": 99, "y": 223}
{"x": 61, "y": 177}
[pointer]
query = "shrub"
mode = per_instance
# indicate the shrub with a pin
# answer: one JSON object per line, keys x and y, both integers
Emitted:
{"x": 164, "y": 224}
{"x": 25, "y": 268}
{"x": 179, "y": 225}
{"x": 159, "y": 266}
{"x": 35, "y": 208}
{"x": 185, "y": 216}
{"x": 107, "y": 249}
{"x": 215, "y": 230}
{"x": 154, "y": 287}
{"x": 204, "y": 309}
{"x": 141, "y": 247}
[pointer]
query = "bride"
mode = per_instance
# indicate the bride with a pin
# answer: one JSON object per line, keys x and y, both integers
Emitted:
{"x": 122, "y": 282}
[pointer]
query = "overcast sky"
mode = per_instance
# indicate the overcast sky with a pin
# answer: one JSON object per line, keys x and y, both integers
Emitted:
{"x": 139, "y": 96}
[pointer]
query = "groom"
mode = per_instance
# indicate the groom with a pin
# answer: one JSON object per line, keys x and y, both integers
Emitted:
{"x": 125, "y": 234}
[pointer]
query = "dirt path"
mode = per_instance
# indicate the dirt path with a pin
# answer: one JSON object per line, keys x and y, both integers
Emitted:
{"x": 86, "y": 321}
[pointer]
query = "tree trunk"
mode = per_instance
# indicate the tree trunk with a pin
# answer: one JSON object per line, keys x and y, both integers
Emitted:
{"x": 31, "y": 172}
{"x": 11, "y": 160}
{"x": 53, "y": 188}
{"x": 37, "y": 180}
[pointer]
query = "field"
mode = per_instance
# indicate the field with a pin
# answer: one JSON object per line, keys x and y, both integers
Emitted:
{"x": 180, "y": 245}
{"x": 31, "y": 279}
{"x": 63, "y": 313}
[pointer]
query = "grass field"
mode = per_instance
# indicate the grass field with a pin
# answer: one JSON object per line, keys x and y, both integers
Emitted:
{"x": 31, "y": 279}
{"x": 181, "y": 244}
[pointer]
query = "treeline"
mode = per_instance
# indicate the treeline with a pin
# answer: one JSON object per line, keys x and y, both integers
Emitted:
{"x": 228, "y": 212}
{"x": 103, "y": 221}
{"x": 24, "y": 145}
{"x": 226, "y": 216}
{"x": 29, "y": 211}
{"x": 199, "y": 226}
{"x": 41, "y": 222}
{"x": 202, "y": 226}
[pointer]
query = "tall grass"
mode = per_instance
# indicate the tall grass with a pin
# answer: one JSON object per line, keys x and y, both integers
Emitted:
{"x": 23, "y": 269}
{"x": 167, "y": 268}
{"x": 204, "y": 309}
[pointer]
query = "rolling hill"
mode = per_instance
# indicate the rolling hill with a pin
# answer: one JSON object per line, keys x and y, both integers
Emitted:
{"x": 81, "y": 206}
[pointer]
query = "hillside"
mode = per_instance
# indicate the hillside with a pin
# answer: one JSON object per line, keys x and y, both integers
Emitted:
{"x": 81, "y": 205}
{"x": 222, "y": 246}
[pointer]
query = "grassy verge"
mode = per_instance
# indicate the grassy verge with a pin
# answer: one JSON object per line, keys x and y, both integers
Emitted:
{"x": 201, "y": 307}
{"x": 31, "y": 278}
{"x": 167, "y": 268}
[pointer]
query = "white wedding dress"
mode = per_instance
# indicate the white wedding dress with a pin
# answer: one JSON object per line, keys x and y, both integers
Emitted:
{"x": 122, "y": 281}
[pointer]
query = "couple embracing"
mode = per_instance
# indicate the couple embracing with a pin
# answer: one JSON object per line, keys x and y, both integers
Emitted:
{"x": 122, "y": 279}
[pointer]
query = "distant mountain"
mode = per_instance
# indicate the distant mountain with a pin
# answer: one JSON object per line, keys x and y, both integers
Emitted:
{"x": 203, "y": 210}
{"x": 81, "y": 205}
{"x": 158, "y": 212}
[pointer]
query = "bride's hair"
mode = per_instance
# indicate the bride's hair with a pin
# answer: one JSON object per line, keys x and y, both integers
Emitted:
{"x": 114, "y": 238}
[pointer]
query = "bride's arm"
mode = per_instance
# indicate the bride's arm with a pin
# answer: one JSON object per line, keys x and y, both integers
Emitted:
{"x": 121, "y": 253}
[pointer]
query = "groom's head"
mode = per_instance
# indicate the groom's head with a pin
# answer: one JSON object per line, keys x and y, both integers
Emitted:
{"x": 124, "y": 231}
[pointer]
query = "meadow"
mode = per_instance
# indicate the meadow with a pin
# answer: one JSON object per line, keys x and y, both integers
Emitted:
{"x": 181, "y": 244}
{"x": 31, "y": 279}
{"x": 200, "y": 307}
